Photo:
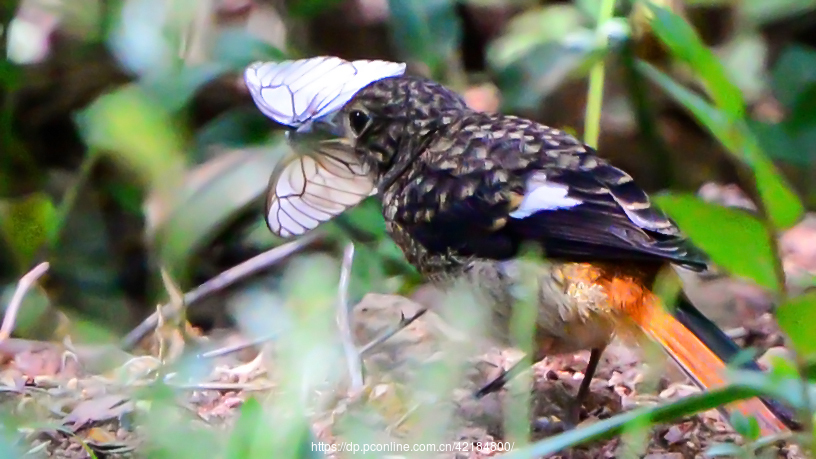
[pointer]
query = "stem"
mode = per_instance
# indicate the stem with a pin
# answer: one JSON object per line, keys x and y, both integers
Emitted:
{"x": 17, "y": 300}
{"x": 592, "y": 120}
{"x": 646, "y": 115}
{"x": 7, "y": 12}
{"x": 70, "y": 196}
{"x": 748, "y": 177}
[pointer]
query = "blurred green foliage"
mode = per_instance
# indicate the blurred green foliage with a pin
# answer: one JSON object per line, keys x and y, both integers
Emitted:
{"x": 727, "y": 120}
{"x": 541, "y": 48}
{"x": 747, "y": 252}
{"x": 428, "y": 32}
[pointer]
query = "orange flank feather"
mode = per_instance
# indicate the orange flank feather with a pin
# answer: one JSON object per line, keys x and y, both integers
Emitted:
{"x": 628, "y": 294}
{"x": 703, "y": 366}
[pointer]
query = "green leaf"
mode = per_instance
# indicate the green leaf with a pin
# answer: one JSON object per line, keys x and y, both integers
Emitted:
{"x": 367, "y": 217}
{"x": 367, "y": 272}
{"x": 535, "y": 27}
{"x": 232, "y": 129}
{"x": 803, "y": 113}
{"x": 542, "y": 48}
{"x": 764, "y": 11}
{"x": 429, "y": 31}
{"x": 211, "y": 197}
{"x": 782, "y": 368}
{"x": 789, "y": 391}
{"x": 745, "y": 426}
{"x": 687, "y": 46}
{"x": 727, "y": 119}
{"x": 144, "y": 38}
{"x": 794, "y": 71}
{"x": 613, "y": 426}
{"x": 785, "y": 144}
{"x": 85, "y": 269}
{"x": 783, "y": 205}
{"x": 724, "y": 449}
{"x": 35, "y": 318}
{"x": 237, "y": 48}
{"x": 9, "y": 442}
{"x": 635, "y": 436}
{"x": 171, "y": 431}
{"x": 174, "y": 89}
{"x": 137, "y": 131}
{"x": 28, "y": 224}
{"x": 247, "y": 426}
{"x": 706, "y": 114}
{"x": 528, "y": 80}
{"x": 794, "y": 85}
{"x": 733, "y": 239}
{"x": 744, "y": 58}
{"x": 308, "y": 8}
{"x": 796, "y": 317}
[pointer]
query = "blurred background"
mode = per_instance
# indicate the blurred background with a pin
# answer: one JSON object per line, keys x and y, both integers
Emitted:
{"x": 129, "y": 143}
{"x": 81, "y": 176}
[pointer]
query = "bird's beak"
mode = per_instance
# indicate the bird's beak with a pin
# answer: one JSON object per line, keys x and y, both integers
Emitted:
{"x": 327, "y": 128}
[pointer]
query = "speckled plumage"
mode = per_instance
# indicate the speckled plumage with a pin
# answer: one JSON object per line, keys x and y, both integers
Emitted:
{"x": 464, "y": 191}
{"x": 449, "y": 177}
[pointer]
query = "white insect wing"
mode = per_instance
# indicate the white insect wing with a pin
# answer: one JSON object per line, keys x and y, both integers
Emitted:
{"x": 307, "y": 190}
{"x": 294, "y": 92}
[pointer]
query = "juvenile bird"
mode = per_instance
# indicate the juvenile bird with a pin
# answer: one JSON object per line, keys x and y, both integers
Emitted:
{"x": 462, "y": 191}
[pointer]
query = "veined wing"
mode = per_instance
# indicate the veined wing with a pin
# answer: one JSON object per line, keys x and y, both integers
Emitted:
{"x": 295, "y": 92}
{"x": 306, "y": 190}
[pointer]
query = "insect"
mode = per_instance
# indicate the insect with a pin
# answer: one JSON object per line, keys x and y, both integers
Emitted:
{"x": 322, "y": 179}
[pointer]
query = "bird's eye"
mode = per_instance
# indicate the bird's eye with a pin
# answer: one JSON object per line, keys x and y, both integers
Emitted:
{"x": 358, "y": 121}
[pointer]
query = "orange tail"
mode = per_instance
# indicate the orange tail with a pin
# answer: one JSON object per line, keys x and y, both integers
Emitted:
{"x": 701, "y": 364}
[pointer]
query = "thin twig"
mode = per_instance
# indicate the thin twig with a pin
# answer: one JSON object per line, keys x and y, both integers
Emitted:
{"x": 23, "y": 285}
{"x": 220, "y": 386}
{"x": 776, "y": 438}
{"x": 173, "y": 291}
{"x": 222, "y": 351}
{"x": 353, "y": 359}
{"x": 245, "y": 369}
{"x": 220, "y": 282}
{"x": 157, "y": 333}
{"x": 179, "y": 310}
{"x": 404, "y": 323}
{"x": 69, "y": 198}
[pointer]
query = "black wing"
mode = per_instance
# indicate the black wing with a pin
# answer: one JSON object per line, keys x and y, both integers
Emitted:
{"x": 471, "y": 213}
{"x": 615, "y": 220}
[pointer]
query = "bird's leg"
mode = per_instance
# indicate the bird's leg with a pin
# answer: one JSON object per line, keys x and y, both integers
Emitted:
{"x": 499, "y": 382}
{"x": 553, "y": 426}
{"x": 583, "y": 390}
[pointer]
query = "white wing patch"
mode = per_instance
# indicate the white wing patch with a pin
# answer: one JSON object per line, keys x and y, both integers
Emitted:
{"x": 541, "y": 195}
{"x": 294, "y": 92}
{"x": 306, "y": 190}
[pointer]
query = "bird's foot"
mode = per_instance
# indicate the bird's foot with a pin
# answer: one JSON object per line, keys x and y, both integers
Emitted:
{"x": 552, "y": 425}
{"x": 494, "y": 385}
{"x": 501, "y": 380}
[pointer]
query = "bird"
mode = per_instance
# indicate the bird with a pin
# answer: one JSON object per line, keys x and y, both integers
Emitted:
{"x": 464, "y": 193}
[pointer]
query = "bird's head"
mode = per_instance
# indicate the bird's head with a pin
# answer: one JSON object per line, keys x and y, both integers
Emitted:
{"x": 353, "y": 125}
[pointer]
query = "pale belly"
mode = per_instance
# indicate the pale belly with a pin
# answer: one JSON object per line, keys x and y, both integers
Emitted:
{"x": 571, "y": 315}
